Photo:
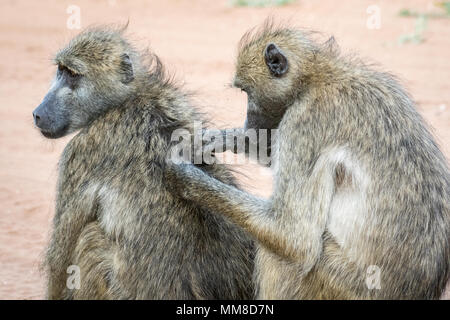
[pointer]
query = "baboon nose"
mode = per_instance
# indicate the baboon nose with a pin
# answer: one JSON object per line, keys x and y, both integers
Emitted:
{"x": 37, "y": 118}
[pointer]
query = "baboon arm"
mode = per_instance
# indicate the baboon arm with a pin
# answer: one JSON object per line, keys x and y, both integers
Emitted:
{"x": 253, "y": 214}
{"x": 304, "y": 183}
{"x": 69, "y": 221}
{"x": 304, "y": 208}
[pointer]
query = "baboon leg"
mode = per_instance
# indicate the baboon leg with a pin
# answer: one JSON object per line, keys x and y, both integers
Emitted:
{"x": 334, "y": 277}
{"x": 68, "y": 225}
{"x": 93, "y": 255}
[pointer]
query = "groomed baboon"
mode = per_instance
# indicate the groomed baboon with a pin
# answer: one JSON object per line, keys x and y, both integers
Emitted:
{"x": 361, "y": 200}
{"x": 130, "y": 235}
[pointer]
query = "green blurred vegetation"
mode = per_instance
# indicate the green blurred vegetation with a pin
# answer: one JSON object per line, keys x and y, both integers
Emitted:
{"x": 444, "y": 5}
{"x": 260, "y": 3}
{"x": 417, "y": 36}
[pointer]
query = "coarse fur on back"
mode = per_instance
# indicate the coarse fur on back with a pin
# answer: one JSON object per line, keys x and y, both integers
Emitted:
{"x": 129, "y": 234}
{"x": 361, "y": 200}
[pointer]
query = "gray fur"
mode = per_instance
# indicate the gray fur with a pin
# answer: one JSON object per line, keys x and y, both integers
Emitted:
{"x": 130, "y": 234}
{"x": 359, "y": 179}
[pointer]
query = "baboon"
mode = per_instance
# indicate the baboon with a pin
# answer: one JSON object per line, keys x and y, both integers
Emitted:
{"x": 116, "y": 219}
{"x": 361, "y": 201}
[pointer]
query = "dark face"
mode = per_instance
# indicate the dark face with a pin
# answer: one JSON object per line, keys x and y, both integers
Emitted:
{"x": 260, "y": 118}
{"x": 74, "y": 100}
{"x": 263, "y": 112}
{"x": 52, "y": 116}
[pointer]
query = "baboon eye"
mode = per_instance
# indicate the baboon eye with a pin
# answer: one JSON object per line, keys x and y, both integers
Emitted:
{"x": 69, "y": 72}
{"x": 69, "y": 76}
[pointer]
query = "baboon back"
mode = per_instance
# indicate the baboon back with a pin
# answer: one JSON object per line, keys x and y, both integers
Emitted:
{"x": 147, "y": 242}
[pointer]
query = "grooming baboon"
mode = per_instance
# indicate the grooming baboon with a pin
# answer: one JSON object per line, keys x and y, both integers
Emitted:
{"x": 116, "y": 219}
{"x": 361, "y": 190}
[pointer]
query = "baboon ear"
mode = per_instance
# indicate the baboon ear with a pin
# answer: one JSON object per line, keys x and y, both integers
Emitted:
{"x": 126, "y": 67}
{"x": 276, "y": 61}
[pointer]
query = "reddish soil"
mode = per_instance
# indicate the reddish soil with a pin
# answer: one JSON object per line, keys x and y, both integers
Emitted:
{"x": 197, "y": 40}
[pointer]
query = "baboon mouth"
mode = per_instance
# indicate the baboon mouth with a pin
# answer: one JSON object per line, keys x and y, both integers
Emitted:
{"x": 54, "y": 135}
{"x": 48, "y": 134}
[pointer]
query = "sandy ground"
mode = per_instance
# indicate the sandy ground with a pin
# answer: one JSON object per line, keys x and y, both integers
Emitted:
{"x": 197, "y": 40}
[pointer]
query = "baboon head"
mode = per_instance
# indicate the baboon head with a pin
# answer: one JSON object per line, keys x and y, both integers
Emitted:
{"x": 95, "y": 72}
{"x": 270, "y": 69}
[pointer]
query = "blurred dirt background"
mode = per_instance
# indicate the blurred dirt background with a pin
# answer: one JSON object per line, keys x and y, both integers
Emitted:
{"x": 197, "y": 40}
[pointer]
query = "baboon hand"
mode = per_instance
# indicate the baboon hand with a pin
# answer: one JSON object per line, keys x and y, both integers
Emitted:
{"x": 212, "y": 141}
{"x": 215, "y": 141}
